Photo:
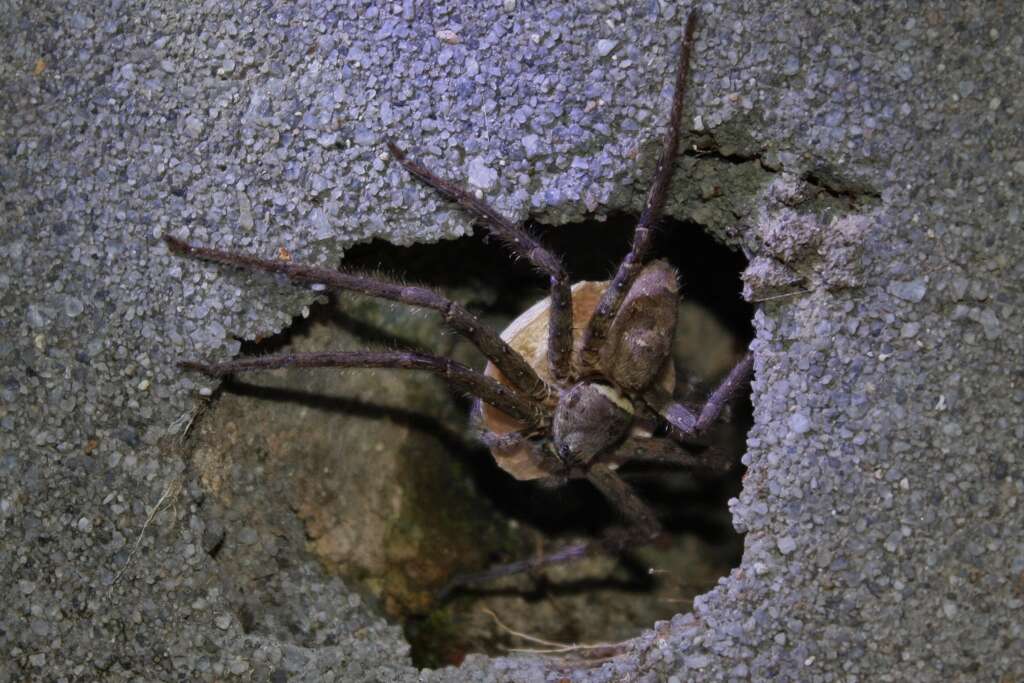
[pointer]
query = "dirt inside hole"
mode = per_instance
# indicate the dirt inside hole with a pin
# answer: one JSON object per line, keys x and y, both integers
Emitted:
{"x": 391, "y": 490}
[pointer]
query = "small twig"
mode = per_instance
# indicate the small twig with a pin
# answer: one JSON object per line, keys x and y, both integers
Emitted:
{"x": 553, "y": 646}
{"x": 602, "y": 649}
{"x": 172, "y": 488}
{"x": 677, "y": 601}
{"x": 784, "y": 295}
{"x": 520, "y": 634}
{"x": 184, "y": 424}
{"x": 196, "y": 413}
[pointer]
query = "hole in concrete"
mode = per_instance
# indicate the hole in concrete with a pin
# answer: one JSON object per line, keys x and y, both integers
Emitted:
{"x": 395, "y": 495}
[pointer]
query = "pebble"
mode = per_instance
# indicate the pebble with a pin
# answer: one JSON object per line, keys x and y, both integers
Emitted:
{"x": 912, "y": 291}
{"x": 799, "y": 423}
{"x": 605, "y": 46}
{"x": 481, "y": 175}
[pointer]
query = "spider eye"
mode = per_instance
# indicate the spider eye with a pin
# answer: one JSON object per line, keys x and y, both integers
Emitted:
{"x": 564, "y": 452}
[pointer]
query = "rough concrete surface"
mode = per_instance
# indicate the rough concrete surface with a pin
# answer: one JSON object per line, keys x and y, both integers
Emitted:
{"x": 867, "y": 156}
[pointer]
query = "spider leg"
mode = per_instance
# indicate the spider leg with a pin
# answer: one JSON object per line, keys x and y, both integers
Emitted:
{"x": 686, "y": 424}
{"x": 501, "y": 444}
{"x": 644, "y": 529}
{"x": 667, "y": 452}
{"x": 458, "y": 375}
{"x": 504, "y": 357}
{"x": 569, "y": 553}
{"x": 597, "y": 329}
{"x": 505, "y": 441}
{"x": 625, "y": 500}
{"x": 523, "y": 245}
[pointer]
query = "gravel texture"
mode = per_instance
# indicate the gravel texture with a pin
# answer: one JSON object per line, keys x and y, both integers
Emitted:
{"x": 867, "y": 156}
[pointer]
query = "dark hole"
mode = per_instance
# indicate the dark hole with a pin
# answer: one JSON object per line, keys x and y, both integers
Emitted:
{"x": 570, "y": 607}
{"x": 591, "y": 251}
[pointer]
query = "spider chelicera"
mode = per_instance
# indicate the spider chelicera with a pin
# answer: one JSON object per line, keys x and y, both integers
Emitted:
{"x": 578, "y": 385}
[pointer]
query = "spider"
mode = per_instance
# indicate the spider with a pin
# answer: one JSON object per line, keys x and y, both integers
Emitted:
{"x": 578, "y": 385}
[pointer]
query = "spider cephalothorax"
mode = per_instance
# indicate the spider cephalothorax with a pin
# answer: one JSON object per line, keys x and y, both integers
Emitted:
{"x": 579, "y": 384}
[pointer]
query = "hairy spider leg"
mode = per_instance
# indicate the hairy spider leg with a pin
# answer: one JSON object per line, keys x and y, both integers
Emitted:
{"x": 686, "y": 424}
{"x": 497, "y": 441}
{"x": 597, "y": 328}
{"x": 504, "y": 357}
{"x": 668, "y": 451}
{"x": 520, "y": 243}
{"x": 569, "y": 553}
{"x": 458, "y": 375}
{"x": 644, "y": 529}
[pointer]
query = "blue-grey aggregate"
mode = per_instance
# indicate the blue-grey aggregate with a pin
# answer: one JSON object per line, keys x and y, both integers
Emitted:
{"x": 883, "y": 497}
